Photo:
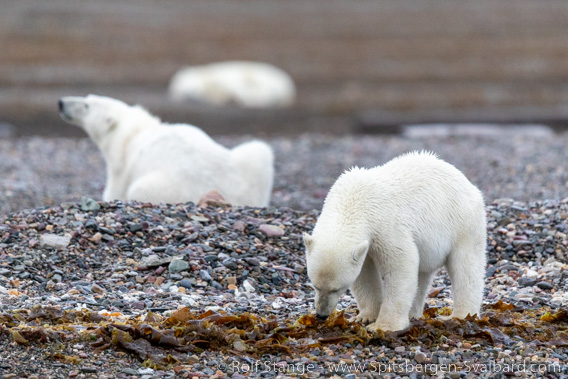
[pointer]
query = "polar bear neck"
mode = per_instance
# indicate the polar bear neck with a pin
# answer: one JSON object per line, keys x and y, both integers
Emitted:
{"x": 348, "y": 207}
{"x": 135, "y": 121}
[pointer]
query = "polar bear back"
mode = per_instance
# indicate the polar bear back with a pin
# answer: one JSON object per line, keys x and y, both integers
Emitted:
{"x": 415, "y": 196}
{"x": 193, "y": 162}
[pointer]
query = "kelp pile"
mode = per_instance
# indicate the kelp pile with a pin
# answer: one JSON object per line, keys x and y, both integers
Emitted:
{"x": 162, "y": 341}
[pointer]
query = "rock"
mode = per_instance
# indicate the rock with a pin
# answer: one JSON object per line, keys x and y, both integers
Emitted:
{"x": 526, "y": 281}
{"x": 138, "y": 305}
{"x": 213, "y": 199}
{"x": 399, "y": 349}
{"x": 420, "y": 357}
{"x": 155, "y": 261}
{"x": 248, "y": 287}
{"x": 434, "y": 292}
{"x": 185, "y": 283}
{"x": 239, "y": 226}
{"x": 135, "y": 227}
{"x": 97, "y": 289}
{"x": 178, "y": 265}
{"x": 88, "y": 204}
{"x": 210, "y": 258}
{"x": 271, "y": 231}
{"x": 230, "y": 264}
{"x": 205, "y": 275}
{"x": 239, "y": 346}
{"x": 544, "y": 285}
{"x": 54, "y": 241}
{"x": 253, "y": 261}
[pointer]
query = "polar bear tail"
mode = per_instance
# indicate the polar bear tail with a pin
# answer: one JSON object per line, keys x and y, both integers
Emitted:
{"x": 255, "y": 161}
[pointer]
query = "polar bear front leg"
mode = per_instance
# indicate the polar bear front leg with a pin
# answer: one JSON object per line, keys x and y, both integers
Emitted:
{"x": 367, "y": 291}
{"x": 400, "y": 283}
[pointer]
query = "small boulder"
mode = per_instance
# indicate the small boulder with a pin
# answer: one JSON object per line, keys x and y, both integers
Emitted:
{"x": 177, "y": 265}
{"x": 271, "y": 231}
{"x": 213, "y": 199}
{"x": 54, "y": 241}
{"x": 88, "y": 204}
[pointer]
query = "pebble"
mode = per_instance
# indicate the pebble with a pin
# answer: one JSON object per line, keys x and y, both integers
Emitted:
{"x": 544, "y": 285}
{"x": 205, "y": 275}
{"x": 178, "y": 265}
{"x": 526, "y": 282}
{"x": 271, "y": 231}
{"x": 54, "y": 241}
{"x": 88, "y": 204}
{"x": 420, "y": 357}
{"x": 186, "y": 283}
{"x": 230, "y": 264}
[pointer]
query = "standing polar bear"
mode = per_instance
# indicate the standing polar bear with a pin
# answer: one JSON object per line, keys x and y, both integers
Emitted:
{"x": 147, "y": 160}
{"x": 245, "y": 84}
{"x": 384, "y": 232}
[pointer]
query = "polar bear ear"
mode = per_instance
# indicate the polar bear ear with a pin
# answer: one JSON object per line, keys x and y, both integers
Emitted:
{"x": 308, "y": 242}
{"x": 360, "y": 252}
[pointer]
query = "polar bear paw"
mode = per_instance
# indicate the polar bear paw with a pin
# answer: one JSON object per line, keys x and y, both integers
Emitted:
{"x": 365, "y": 317}
{"x": 386, "y": 327}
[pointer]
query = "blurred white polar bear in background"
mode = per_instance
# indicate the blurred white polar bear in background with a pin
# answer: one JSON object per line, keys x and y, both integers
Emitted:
{"x": 246, "y": 84}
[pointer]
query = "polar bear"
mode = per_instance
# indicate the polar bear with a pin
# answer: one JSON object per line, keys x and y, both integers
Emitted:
{"x": 384, "y": 232}
{"x": 246, "y": 84}
{"x": 147, "y": 160}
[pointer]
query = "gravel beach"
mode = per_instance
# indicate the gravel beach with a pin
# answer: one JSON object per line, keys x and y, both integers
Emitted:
{"x": 37, "y": 172}
{"x": 121, "y": 290}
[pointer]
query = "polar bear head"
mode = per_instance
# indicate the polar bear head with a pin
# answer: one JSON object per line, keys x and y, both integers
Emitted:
{"x": 332, "y": 268}
{"x": 100, "y": 117}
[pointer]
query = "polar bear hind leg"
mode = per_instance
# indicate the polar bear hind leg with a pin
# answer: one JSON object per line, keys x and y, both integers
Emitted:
{"x": 466, "y": 266}
{"x": 424, "y": 281}
{"x": 153, "y": 188}
{"x": 367, "y": 291}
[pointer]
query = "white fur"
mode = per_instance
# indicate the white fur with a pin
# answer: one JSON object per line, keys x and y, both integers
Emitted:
{"x": 150, "y": 161}
{"x": 246, "y": 84}
{"x": 385, "y": 231}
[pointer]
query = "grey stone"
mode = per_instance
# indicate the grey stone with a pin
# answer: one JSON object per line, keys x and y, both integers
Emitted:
{"x": 230, "y": 264}
{"x": 544, "y": 285}
{"x": 210, "y": 258}
{"x": 178, "y": 265}
{"x": 420, "y": 357}
{"x": 526, "y": 281}
{"x": 185, "y": 283}
{"x": 88, "y": 204}
{"x": 54, "y": 241}
{"x": 205, "y": 275}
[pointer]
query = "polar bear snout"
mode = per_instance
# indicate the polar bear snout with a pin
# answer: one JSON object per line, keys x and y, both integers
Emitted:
{"x": 73, "y": 109}
{"x": 325, "y": 303}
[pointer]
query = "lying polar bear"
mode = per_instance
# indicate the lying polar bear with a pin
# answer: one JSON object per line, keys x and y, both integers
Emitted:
{"x": 150, "y": 161}
{"x": 246, "y": 84}
{"x": 384, "y": 232}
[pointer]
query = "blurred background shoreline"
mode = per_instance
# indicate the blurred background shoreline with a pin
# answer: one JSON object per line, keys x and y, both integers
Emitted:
{"x": 359, "y": 67}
